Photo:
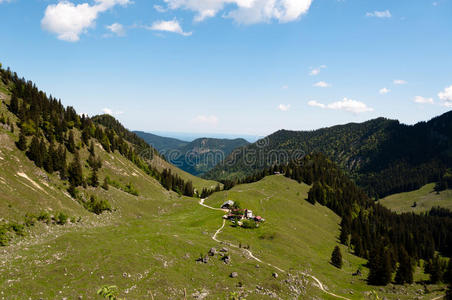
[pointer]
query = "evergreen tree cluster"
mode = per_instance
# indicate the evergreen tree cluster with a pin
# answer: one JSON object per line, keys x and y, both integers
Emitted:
{"x": 173, "y": 182}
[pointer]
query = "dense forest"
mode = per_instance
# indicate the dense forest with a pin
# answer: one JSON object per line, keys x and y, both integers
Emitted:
{"x": 49, "y": 132}
{"x": 382, "y": 156}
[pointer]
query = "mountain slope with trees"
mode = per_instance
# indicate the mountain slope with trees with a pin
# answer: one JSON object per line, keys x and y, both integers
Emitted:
{"x": 383, "y": 156}
{"x": 196, "y": 157}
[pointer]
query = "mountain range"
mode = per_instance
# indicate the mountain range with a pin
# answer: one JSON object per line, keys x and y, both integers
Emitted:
{"x": 196, "y": 157}
{"x": 382, "y": 155}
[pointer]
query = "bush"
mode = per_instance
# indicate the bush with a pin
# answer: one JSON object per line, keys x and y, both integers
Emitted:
{"x": 29, "y": 220}
{"x": 61, "y": 218}
{"x": 249, "y": 224}
{"x": 44, "y": 217}
{"x": 97, "y": 206}
{"x": 131, "y": 189}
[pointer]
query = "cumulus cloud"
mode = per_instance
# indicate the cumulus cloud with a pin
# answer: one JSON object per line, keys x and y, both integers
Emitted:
{"x": 322, "y": 84}
{"x": 285, "y": 87}
{"x": 168, "y": 26}
{"x": 423, "y": 100}
{"x": 316, "y": 71}
{"x": 284, "y": 107}
{"x": 399, "y": 82}
{"x": 68, "y": 20}
{"x": 316, "y": 104}
{"x": 384, "y": 91}
{"x": 379, "y": 14}
{"x": 446, "y": 96}
{"x": 245, "y": 11}
{"x": 206, "y": 119}
{"x": 110, "y": 112}
{"x": 117, "y": 29}
{"x": 346, "y": 104}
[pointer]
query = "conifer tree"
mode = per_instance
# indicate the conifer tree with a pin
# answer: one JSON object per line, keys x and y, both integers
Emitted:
{"x": 34, "y": 153}
{"x": 404, "y": 273}
{"x": 71, "y": 142}
{"x": 22, "y": 143}
{"x": 336, "y": 257}
{"x": 75, "y": 171}
{"x": 14, "y": 104}
{"x": 93, "y": 179}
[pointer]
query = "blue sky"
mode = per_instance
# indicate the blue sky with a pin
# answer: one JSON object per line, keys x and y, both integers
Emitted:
{"x": 235, "y": 66}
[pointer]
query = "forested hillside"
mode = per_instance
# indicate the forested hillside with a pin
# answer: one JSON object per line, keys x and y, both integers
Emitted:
{"x": 382, "y": 155}
{"x": 196, "y": 157}
{"x": 161, "y": 143}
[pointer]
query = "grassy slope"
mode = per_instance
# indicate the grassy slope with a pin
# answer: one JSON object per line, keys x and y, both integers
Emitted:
{"x": 198, "y": 182}
{"x": 156, "y": 237}
{"x": 425, "y": 198}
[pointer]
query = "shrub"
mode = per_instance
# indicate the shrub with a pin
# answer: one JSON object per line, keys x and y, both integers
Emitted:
{"x": 61, "y": 218}
{"x": 131, "y": 189}
{"x": 249, "y": 224}
{"x": 29, "y": 220}
{"x": 44, "y": 217}
{"x": 97, "y": 206}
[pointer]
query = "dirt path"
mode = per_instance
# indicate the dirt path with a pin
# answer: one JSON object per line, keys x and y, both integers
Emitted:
{"x": 251, "y": 255}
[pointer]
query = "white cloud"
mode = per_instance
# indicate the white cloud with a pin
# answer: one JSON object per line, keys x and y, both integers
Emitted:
{"x": 160, "y": 8}
{"x": 245, "y": 11}
{"x": 446, "y": 96}
{"x": 379, "y": 14}
{"x": 285, "y": 87}
{"x": 384, "y": 91}
{"x": 399, "y": 82}
{"x": 322, "y": 84}
{"x": 110, "y": 112}
{"x": 169, "y": 26}
{"x": 117, "y": 29}
{"x": 316, "y": 71}
{"x": 206, "y": 119}
{"x": 316, "y": 104}
{"x": 5, "y": 1}
{"x": 423, "y": 100}
{"x": 68, "y": 20}
{"x": 284, "y": 107}
{"x": 348, "y": 105}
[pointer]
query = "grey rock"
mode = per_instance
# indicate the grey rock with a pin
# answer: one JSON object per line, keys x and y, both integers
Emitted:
{"x": 234, "y": 275}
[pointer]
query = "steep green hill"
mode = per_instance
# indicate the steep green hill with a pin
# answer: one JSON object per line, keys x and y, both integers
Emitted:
{"x": 384, "y": 156}
{"x": 196, "y": 157}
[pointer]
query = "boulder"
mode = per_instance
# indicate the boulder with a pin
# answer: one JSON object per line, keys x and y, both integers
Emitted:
{"x": 234, "y": 275}
{"x": 212, "y": 251}
{"x": 275, "y": 275}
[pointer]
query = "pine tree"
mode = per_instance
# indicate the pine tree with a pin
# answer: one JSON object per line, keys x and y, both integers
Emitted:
{"x": 93, "y": 179}
{"x": 14, "y": 104}
{"x": 336, "y": 257}
{"x": 75, "y": 171}
{"x": 380, "y": 267}
{"x": 404, "y": 273}
{"x": 22, "y": 143}
{"x": 71, "y": 142}
{"x": 34, "y": 153}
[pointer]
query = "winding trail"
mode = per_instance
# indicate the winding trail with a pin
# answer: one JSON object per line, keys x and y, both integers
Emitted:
{"x": 251, "y": 255}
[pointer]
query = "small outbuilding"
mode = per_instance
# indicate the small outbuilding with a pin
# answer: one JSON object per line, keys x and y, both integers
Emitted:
{"x": 228, "y": 204}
